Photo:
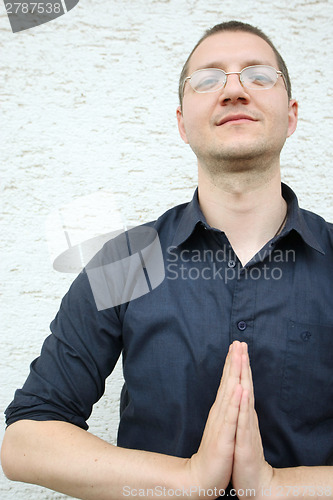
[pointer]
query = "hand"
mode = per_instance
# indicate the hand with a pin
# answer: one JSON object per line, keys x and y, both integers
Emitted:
{"x": 211, "y": 466}
{"x": 250, "y": 469}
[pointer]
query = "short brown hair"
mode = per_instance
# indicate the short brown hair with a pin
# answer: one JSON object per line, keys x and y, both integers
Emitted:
{"x": 235, "y": 26}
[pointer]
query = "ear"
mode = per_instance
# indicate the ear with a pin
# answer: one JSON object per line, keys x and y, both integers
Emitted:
{"x": 292, "y": 116}
{"x": 181, "y": 127}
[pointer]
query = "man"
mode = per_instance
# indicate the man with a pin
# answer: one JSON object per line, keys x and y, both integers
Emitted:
{"x": 244, "y": 266}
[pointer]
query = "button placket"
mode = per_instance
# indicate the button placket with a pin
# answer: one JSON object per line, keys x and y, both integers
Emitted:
{"x": 243, "y": 307}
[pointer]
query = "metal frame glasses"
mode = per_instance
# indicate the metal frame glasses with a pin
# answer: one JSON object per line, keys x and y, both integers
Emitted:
{"x": 257, "y": 77}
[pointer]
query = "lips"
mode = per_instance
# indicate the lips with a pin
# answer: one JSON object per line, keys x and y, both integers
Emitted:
{"x": 235, "y": 118}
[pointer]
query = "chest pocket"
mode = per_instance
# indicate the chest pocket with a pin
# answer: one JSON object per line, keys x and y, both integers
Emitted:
{"x": 307, "y": 382}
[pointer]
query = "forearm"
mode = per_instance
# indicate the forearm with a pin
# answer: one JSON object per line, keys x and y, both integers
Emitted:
{"x": 65, "y": 458}
{"x": 306, "y": 483}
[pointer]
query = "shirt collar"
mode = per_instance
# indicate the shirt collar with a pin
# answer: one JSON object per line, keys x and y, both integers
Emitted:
{"x": 296, "y": 220}
{"x": 193, "y": 216}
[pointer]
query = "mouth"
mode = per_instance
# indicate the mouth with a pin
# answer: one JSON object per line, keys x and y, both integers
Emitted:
{"x": 236, "y": 119}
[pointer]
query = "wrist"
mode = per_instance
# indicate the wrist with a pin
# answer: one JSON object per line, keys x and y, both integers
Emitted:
{"x": 275, "y": 485}
{"x": 191, "y": 477}
{"x": 198, "y": 483}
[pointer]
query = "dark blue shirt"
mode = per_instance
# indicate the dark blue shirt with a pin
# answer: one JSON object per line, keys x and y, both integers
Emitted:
{"x": 174, "y": 338}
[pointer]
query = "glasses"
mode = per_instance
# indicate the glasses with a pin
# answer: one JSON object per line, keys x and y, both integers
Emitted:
{"x": 257, "y": 77}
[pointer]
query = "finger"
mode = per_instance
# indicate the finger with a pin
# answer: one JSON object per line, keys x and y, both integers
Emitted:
{"x": 232, "y": 415}
{"x": 222, "y": 422}
{"x": 231, "y": 375}
{"x": 246, "y": 376}
{"x": 236, "y": 360}
{"x": 226, "y": 368}
{"x": 250, "y": 371}
{"x": 248, "y": 446}
{"x": 244, "y": 412}
{"x": 243, "y": 423}
{"x": 226, "y": 365}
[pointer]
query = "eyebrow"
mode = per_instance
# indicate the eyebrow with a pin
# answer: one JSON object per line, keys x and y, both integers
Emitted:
{"x": 252, "y": 62}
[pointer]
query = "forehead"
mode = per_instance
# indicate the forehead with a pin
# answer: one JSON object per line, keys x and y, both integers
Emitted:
{"x": 231, "y": 49}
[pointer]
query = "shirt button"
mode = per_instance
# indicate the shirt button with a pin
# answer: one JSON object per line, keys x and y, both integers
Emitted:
{"x": 231, "y": 263}
{"x": 241, "y": 325}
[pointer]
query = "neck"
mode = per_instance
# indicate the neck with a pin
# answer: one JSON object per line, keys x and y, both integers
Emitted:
{"x": 248, "y": 208}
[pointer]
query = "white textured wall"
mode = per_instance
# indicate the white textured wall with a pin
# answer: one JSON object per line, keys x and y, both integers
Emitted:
{"x": 88, "y": 102}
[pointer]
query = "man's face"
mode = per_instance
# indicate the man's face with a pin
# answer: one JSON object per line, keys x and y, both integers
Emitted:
{"x": 270, "y": 117}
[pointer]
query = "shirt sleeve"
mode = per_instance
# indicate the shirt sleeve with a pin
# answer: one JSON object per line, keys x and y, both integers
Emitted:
{"x": 69, "y": 375}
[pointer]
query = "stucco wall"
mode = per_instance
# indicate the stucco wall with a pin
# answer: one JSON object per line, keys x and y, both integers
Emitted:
{"x": 88, "y": 103}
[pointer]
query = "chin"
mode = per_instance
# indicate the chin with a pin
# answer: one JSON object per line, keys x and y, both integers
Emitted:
{"x": 238, "y": 154}
{"x": 242, "y": 149}
{"x": 239, "y": 160}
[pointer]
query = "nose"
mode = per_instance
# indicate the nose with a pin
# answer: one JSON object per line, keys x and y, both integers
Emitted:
{"x": 233, "y": 91}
